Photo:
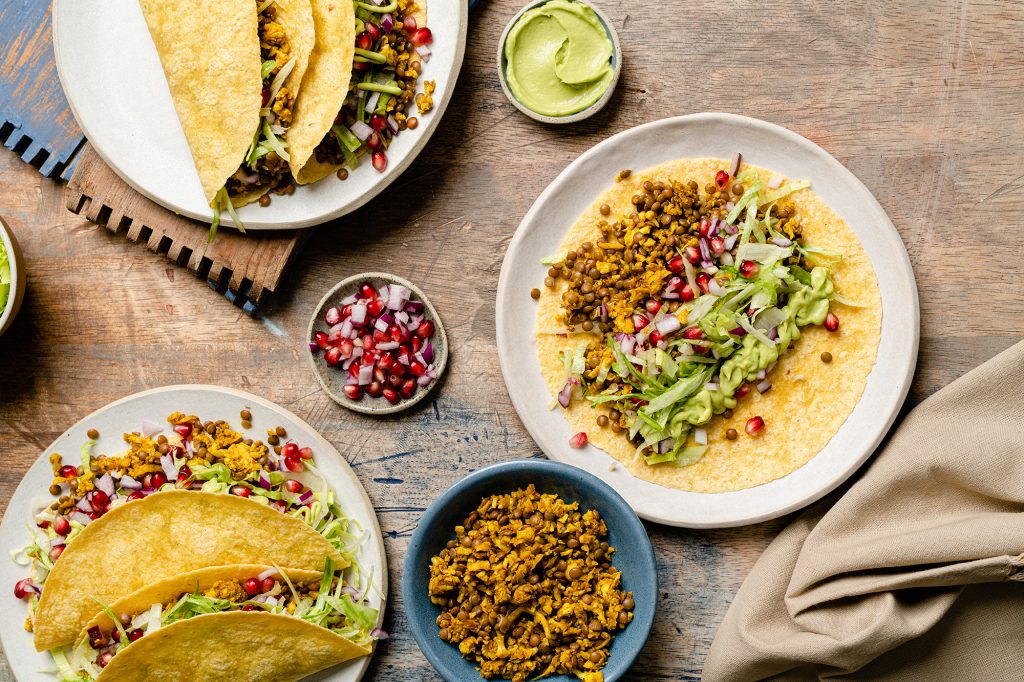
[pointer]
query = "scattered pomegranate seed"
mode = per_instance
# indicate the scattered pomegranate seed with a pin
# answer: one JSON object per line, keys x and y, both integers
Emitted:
{"x": 368, "y": 342}
{"x": 22, "y": 588}
{"x": 360, "y": 66}
{"x": 374, "y": 389}
{"x": 705, "y": 227}
{"x": 252, "y": 585}
{"x": 134, "y": 496}
{"x": 332, "y": 316}
{"x": 93, "y": 515}
{"x": 579, "y": 440}
{"x": 717, "y": 246}
{"x": 366, "y": 290}
{"x": 703, "y": 279}
{"x": 721, "y": 179}
{"x": 755, "y": 425}
{"x": 134, "y": 635}
{"x": 380, "y": 337}
{"x": 675, "y": 264}
{"x": 655, "y": 338}
{"x": 379, "y": 161}
{"x": 686, "y": 293}
{"x": 408, "y": 388}
{"x": 409, "y": 24}
{"x": 831, "y": 322}
{"x": 290, "y": 449}
{"x": 44, "y": 524}
{"x": 268, "y": 584}
{"x": 61, "y": 526}
{"x": 240, "y": 490}
{"x": 266, "y": 95}
{"x": 394, "y": 380}
{"x": 375, "y": 307}
{"x": 421, "y": 36}
{"x": 294, "y": 464}
{"x": 157, "y": 480}
{"x": 183, "y": 430}
{"x": 56, "y": 551}
{"x": 415, "y": 343}
{"x": 378, "y": 122}
{"x": 306, "y": 453}
{"x": 748, "y": 268}
{"x": 417, "y": 368}
{"x": 251, "y": 607}
{"x": 373, "y": 142}
{"x": 692, "y": 254}
{"x": 653, "y": 306}
{"x": 391, "y": 395}
{"x": 98, "y": 499}
{"x": 345, "y": 347}
{"x": 386, "y": 362}
{"x": 398, "y": 369}
{"x": 743, "y": 391}
{"x": 293, "y": 486}
{"x": 693, "y": 333}
{"x": 352, "y": 392}
{"x": 373, "y": 30}
{"x": 321, "y": 340}
{"x": 397, "y": 333}
{"x": 68, "y": 471}
{"x": 364, "y": 41}
{"x": 639, "y": 322}
{"x": 425, "y": 330}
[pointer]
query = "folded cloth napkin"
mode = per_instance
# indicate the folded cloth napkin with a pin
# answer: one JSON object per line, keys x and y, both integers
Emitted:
{"x": 913, "y": 573}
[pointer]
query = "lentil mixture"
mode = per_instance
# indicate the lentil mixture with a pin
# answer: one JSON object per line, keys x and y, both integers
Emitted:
{"x": 527, "y": 588}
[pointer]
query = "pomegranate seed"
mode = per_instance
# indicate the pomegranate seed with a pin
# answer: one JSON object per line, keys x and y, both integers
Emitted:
{"x": 183, "y": 430}
{"x": 416, "y": 343}
{"x": 754, "y": 427}
{"x": 397, "y": 333}
{"x": 367, "y": 291}
{"x": 321, "y": 340}
{"x": 98, "y": 499}
{"x": 332, "y": 316}
{"x": 240, "y": 490}
{"x": 579, "y": 440}
{"x": 294, "y": 463}
{"x": 368, "y": 358}
{"x": 408, "y": 388}
{"x": 721, "y": 179}
{"x": 364, "y": 41}
{"x": 380, "y": 337}
{"x": 675, "y": 264}
{"x": 252, "y": 585}
{"x": 639, "y": 322}
{"x": 250, "y": 607}
{"x": 373, "y": 30}
{"x": 44, "y": 524}
{"x": 116, "y": 635}
{"x": 703, "y": 279}
{"x": 705, "y": 227}
{"x": 373, "y": 142}
{"x": 157, "y": 480}
{"x": 409, "y": 24}
{"x": 21, "y": 588}
{"x": 374, "y": 389}
{"x": 93, "y": 515}
{"x": 653, "y": 306}
{"x": 391, "y": 395}
{"x": 345, "y": 347}
{"x": 831, "y": 322}
{"x": 306, "y": 453}
{"x": 290, "y": 449}
{"x": 134, "y": 635}
{"x": 368, "y": 342}
{"x": 686, "y": 292}
{"x": 266, "y": 95}
{"x": 134, "y": 496}
{"x": 68, "y": 471}
{"x": 346, "y": 312}
{"x": 293, "y": 486}
{"x": 379, "y": 161}
{"x": 692, "y": 254}
{"x": 422, "y": 36}
{"x": 268, "y": 584}
{"x": 360, "y": 66}
{"x": 61, "y": 525}
{"x": 183, "y": 477}
{"x": 56, "y": 551}
{"x": 717, "y": 246}
{"x": 425, "y": 330}
{"x": 748, "y": 268}
{"x": 375, "y": 307}
{"x": 693, "y": 333}
{"x": 655, "y": 338}
{"x": 352, "y": 392}
{"x": 333, "y": 356}
{"x": 378, "y": 123}
{"x": 386, "y": 362}
{"x": 380, "y": 374}
{"x": 416, "y": 368}
{"x": 279, "y": 505}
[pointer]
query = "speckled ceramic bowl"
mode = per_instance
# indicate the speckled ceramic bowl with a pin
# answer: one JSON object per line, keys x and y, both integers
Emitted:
{"x": 579, "y": 115}
{"x": 332, "y": 379}
{"x": 17, "y": 292}
{"x": 634, "y": 557}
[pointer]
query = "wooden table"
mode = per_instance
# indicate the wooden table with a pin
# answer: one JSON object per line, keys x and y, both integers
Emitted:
{"x": 923, "y": 104}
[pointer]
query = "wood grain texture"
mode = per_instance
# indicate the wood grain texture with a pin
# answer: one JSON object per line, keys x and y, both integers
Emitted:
{"x": 249, "y": 266}
{"x": 922, "y": 103}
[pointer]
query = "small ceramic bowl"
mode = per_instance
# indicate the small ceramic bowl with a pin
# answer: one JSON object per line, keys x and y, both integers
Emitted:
{"x": 332, "y": 379}
{"x": 634, "y": 557}
{"x": 17, "y": 262}
{"x": 579, "y": 115}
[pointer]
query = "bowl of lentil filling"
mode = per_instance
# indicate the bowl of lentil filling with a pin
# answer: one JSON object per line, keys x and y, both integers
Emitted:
{"x": 530, "y": 569}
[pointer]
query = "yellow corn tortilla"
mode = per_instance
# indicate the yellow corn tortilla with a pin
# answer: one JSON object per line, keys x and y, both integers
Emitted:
{"x": 211, "y": 59}
{"x": 254, "y": 646}
{"x": 160, "y": 536}
{"x": 222, "y": 643}
{"x": 327, "y": 86}
{"x": 809, "y": 399}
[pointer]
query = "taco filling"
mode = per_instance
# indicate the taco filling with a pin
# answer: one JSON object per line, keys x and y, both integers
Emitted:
{"x": 325, "y": 601}
{"x": 685, "y": 305}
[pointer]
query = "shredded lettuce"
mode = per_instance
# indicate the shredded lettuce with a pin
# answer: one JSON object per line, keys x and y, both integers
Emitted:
{"x": 5, "y": 278}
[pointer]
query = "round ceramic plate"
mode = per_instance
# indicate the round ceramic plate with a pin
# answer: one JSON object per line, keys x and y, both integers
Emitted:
{"x": 112, "y": 421}
{"x": 120, "y": 98}
{"x": 719, "y": 136}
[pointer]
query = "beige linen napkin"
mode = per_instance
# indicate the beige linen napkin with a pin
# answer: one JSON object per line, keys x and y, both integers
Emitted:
{"x": 913, "y": 573}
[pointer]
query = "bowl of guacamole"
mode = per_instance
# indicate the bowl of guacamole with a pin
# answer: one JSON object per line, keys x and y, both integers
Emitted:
{"x": 12, "y": 277}
{"x": 559, "y": 60}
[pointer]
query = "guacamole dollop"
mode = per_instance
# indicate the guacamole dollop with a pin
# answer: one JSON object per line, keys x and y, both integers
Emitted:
{"x": 559, "y": 58}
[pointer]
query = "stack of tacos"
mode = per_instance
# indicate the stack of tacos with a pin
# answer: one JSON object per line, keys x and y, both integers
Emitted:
{"x": 274, "y": 93}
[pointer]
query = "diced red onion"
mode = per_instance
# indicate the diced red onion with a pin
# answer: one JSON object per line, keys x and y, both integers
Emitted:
{"x": 388, "y": 345}
{"x": 668, "y": 324}
{"x": 669, "y": 295}
{"x": 358, "y": 315}
{"x": 705, "y": 252}
{"x": 604, "y": 312}
{"x": 365, "y": 375}
{"x": 352, "y": 592}
{"x": 731, "y": 242}
{"x": 400, "y": 316}
{"x": 305, "y": 497}
{"x": 346, "y": 328}
{"x": 264, "y": 481}
{"x": 729, "y": 206}
{"x": 775, "y": 182}
{"x": 106, "y": 484}
{"x": 371, "y": 101}
{"x": 313, "y": 348}
{"x": 351, "y": 380}
{"x": 398, "y": 296}
{"x": 348, "y": 300}
{"x": 773, "y": 333}
{"x": 266, "y": 574}
{"x": 424, "y": 380}
{"x": 404, "y": 359}
{"x": 150, "y": 428}
{"x": 414, "y": 307}
{"x": 565, "y": 395}
{"x": 761, "y": 374}
{"x": 80, "y": 517}
{"x": 387, "y": 22}
{"x": 167, "y": 462}
{"x": 392, "y": 124}
{"x": 733, "y": 167}
{"x": 738, "y": 331}
{"x": 428, "y": 352}
{"x": 420, "y": 359}
{"x": 700, "y": 436}
{"x": 764, "y": 386}
{"x": 361, "y": 130}
{"x": 378, "y": 633}
{"x": 424, "y": 52}
{"x": 782, "y": 241}
{"x": 84, "y": 505}
{"x": 627, "y": 344}
{"x": 380, "y": 325}
{"x": 383, "y": 292}
{"x": 130, "y": 483}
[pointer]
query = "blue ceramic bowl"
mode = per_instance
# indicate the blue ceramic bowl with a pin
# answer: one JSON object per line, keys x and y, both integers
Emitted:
{"x": 634, "y": 556}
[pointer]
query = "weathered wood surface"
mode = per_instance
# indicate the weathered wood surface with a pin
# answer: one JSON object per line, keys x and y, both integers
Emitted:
{"x": 921, "y": 102}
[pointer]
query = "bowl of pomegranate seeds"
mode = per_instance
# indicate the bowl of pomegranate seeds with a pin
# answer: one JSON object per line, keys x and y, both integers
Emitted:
{"x": 376, "y": 344}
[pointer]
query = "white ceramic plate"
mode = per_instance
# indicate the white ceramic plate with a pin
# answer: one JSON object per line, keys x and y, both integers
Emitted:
{"x": 112, "y": 421}
{"x": 112, "y": 77}
{"x": 763, "y": 144}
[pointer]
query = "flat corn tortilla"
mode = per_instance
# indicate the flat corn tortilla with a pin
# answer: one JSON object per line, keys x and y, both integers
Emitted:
{"x": 211, "y": 59}
{"x": 222, "y": 631}
{"x": 255, "y": 646}
{"x": 160, "y": 536}
{"x": 809, "y": 400}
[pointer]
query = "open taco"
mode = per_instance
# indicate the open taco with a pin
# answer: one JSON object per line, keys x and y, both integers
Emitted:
{"x": 361, "y": 82}
{"x": 690, "y": 324}
{"x": 234, "y": 69}
{"x": 235, "y": 622}
{"x": 162, "y": 535}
